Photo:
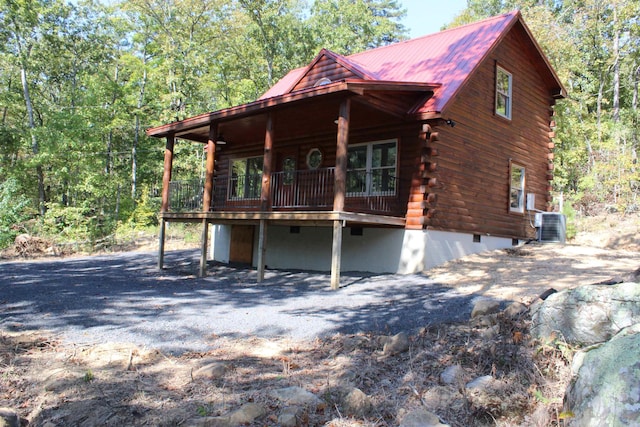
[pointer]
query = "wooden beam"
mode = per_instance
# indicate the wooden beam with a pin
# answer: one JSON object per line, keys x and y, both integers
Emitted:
{"x": 262, "y": 249}
{"x": 340, "y": 186}
{"x": 267, "y": 166}
{"x": 336, "y": 255}
{"x": 166, "y": 175}
{"x": 203, "y": 248}
{"x": 161, "y": 244}
{"x": 211, "y": 157}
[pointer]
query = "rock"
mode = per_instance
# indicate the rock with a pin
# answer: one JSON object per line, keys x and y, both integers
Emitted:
{"x": 606, "y": 391}
{"x": 485, "y": 321}
{"x": 290, "y": 416}
{"x": 587, "y": 315}
{"x": 396, "y": 344}
{"x": 357, "y": 403}
{"x": 452, "y": 375}
{"x": 483, "y": 307}
{"x": 515, "y": 310}
{"x": 543, "y": 296}
{"x": 246, "y": 414}
{"x": 421, "y": 418}
{"x": 480, "y": 383}
{"x": 211, "y": 371}
{"x": 9, "y": 418}
{"x": 296, "y": 396}
{"x": 491, "y": 333}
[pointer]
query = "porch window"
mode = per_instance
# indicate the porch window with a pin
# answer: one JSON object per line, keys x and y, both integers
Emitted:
{"x": 503, "y": 93}
{"x": 371, "y": 169}
{"x": 246, "y": 178}
{"x": 516, "y": 188}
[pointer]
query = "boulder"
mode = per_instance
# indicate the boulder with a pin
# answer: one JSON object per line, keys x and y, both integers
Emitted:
{"x": 421, "y": 418}
{"x": 357, "y": 403}
{"x": 9, "y": 418}
{"x": 606, "y": 389}
{"x": 211, "y": 371}
{"x": 296, "y": 396}
{"x": 484, "y": 307}
{"x": 453, "y": 375}
{"x": 396, "y": 344}
{"x": 587, "y": 315}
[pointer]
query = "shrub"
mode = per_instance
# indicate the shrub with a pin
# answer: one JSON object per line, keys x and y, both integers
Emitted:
{"x": 13, "y": 211}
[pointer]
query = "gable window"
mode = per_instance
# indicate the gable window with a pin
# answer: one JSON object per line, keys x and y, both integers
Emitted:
{"x": 371, "y": 169}
{"x": 503, "y": 93}
{"x": 246, "y": 178}
{"x": 516, "y": 187}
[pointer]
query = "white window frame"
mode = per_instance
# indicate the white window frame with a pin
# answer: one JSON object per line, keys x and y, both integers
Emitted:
{"x": 368, "y": 169}
{"x": 517, "y": 190}
{"x": 246, "y": 195}
{"x": 504, "y": 95}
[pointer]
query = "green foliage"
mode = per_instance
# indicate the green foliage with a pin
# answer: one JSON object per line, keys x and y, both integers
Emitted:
{"x": 146, "y": 211}
{"x": 13, "y": 211}
{"x": 570, "y": 214}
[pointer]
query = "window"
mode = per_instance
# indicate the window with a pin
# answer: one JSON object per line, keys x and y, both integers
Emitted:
{"x": 371, "y": 169}
{"x": 503, "y": 93}
{"x": 516, "y": 188}
{"x": 246, "y": 178}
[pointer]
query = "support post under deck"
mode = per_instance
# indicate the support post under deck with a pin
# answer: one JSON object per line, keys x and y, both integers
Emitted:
{"x": 262, "y": 249}
{"x": 203, "y": 248}
{"x": 336, "y": 254}
{"x": 161, "y": 244}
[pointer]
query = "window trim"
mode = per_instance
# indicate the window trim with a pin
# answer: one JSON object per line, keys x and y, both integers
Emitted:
{"x": 508, "y": 96}
{"x": 245, "y": 194}
{"x": 369, "y": 169}
{"x": 520, "y": 209}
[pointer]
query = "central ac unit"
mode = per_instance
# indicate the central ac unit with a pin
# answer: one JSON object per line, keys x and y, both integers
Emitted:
{"x": 552, "y": 227}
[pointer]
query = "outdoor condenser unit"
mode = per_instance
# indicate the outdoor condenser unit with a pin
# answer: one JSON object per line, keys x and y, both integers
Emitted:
{"x": 551, "y": 227}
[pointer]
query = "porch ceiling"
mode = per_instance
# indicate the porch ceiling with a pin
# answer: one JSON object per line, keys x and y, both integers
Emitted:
{"x": 305, "y": 113}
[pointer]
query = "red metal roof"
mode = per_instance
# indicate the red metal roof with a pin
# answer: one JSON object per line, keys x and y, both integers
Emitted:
{"x": 446, "y": 58}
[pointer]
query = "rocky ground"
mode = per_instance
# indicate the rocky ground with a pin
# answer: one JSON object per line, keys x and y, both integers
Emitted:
{"x": 486, "y": 371}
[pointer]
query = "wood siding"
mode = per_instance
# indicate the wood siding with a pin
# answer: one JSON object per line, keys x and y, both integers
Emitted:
{"x": 325, "y": 68}
{"x": 472, "y": 174}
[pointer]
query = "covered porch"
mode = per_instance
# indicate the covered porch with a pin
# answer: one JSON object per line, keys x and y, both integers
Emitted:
{"x": 296, "y": 183}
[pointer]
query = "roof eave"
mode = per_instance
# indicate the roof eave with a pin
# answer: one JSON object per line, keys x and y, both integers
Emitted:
{"x": 350, "y": 86}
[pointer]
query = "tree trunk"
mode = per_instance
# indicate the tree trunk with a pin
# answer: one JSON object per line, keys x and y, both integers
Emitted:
{"x": 34, "y": 140}
{"x": 616, "y": 68}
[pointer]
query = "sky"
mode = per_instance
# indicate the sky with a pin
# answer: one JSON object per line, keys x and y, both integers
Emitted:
{"x": 428, "y": 16}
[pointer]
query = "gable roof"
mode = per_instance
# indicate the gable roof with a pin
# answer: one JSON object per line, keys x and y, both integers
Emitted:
{"x": 446, "y": 58}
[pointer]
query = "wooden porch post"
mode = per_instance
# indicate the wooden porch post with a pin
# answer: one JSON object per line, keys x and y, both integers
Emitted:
{"x": 164, "y": 207}
{"x": 340, "y": 188}
{"x": 341, "y": 156}
{"x": 211, "y": 157}
{"x": 267, "y": 166}
{"x": 207, "y": 196}
{"x": 262, "y": 249}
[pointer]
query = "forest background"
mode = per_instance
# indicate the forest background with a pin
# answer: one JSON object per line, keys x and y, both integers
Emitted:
{"x": 80, "y": 81}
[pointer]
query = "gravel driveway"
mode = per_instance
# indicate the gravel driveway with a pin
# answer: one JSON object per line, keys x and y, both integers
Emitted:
{"x": 124, "y": 298}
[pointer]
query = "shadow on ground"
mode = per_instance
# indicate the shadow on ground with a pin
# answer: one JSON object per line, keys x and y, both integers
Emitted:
{"x": 125, "y": 298}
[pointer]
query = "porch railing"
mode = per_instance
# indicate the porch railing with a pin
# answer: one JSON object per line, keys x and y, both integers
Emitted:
{"x": 304, "y": 190}
{"x": 185, "y": 196}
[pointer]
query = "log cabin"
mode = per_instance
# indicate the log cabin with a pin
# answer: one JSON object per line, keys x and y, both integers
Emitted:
{"x": 395, "y": 159}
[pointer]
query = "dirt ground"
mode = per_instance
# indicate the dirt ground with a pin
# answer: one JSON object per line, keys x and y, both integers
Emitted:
{"x": 111, "y": 384}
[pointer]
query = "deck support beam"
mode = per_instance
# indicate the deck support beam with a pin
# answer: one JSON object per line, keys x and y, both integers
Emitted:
{"x": 164, "y": 207}
{"x": 204, "y": 244}
{"x": 163, "y": 225}
{"x": 336, "y": 254}
{"x": 262, "y": 249}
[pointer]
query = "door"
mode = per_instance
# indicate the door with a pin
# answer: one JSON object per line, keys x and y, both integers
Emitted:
{"x": 241, "y": 248}
{"x": 284, "y": 194}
